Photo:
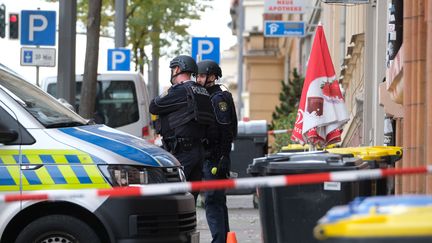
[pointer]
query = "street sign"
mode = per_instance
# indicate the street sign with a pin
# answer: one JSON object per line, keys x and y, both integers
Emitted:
{"x": 38, "y": 27}
{"x": 284, "y": 6}
{"x": 284, "y": 29}
{"x": 119, "y": 59}
{"x": 206, "y": 48}
{"x": 41, "y": 57}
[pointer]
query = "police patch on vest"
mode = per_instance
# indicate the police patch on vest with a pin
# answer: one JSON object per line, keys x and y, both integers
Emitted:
{"x": 223, "y": 106}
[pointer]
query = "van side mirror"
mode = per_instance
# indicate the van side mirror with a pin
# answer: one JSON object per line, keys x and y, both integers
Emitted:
{"x": 7, "y": 135}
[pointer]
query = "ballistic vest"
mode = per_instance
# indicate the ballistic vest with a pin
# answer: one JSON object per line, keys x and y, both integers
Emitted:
{"x": 198, "y": 108}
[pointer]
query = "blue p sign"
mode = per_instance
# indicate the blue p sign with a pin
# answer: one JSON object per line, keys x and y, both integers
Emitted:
{"x": 119, "y": 59}
{"x": 204, "y": 48}
{"x": 38, "y": 27}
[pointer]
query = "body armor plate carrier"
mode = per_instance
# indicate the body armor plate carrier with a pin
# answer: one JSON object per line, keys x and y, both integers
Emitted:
{"x": 199, "y": 108}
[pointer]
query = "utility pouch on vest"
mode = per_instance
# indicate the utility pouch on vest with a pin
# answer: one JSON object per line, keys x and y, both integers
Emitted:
{"x": 186, "y": 144}
{"x": 170, "y": 144}
{"x": 180, "y": 117}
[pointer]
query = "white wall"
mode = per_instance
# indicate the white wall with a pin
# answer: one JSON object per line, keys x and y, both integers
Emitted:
{"x": 254, "y": 10}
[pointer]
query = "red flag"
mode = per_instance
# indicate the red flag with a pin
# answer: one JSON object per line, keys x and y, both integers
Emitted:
{"x": 322, "y": 111}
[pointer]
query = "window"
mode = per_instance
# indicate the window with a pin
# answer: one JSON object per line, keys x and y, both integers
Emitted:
{"x": 116, "y": 102}
{"x": 45, "y": 109}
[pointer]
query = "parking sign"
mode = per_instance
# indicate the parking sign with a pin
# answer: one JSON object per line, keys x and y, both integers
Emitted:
{"x": 206, "y": 48}
{"x": 284, "y": 29}
{"x": 119, "y": 59}
{"x": 38, "y": 27}
{"x": 41, "y": 57}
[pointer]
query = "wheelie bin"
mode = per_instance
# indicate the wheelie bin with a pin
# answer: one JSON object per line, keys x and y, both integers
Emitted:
{"x": 251, "y": 142}
{"x": 288, "y": 214}
{"x": 377, "y": 157}
{"x": 380, "y": 219}
{"x": 292, "y": 148}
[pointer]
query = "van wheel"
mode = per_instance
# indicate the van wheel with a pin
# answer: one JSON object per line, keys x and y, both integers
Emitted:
{"x": 57, "y": 228}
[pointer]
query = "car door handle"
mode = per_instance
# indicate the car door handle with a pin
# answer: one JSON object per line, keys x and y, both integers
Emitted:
{"x": 30, "y": 167}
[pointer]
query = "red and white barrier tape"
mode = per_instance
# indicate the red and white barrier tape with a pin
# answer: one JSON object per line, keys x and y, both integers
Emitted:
{"x": 284, "y": 131}
{"x": 242, "y": 183}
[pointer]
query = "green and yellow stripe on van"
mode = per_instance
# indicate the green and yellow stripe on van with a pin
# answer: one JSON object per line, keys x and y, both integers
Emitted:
{"x": 49, "y": 170}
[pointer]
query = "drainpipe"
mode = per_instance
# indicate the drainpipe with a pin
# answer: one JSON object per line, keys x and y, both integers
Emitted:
{"x": 342, "y": 35}
{"x": 240, "y": 29}
{"x": 379, "y": 62}
{"x": 367, "y": 136}
{"x": 287, "y": 62}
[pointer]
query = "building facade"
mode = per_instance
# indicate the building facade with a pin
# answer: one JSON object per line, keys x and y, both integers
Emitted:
{"x": 382, "y": 54}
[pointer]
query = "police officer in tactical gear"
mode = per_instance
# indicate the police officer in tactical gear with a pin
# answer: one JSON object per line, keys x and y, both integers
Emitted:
{"x": 185, "y": 112}
{"x": 220, "y": 136}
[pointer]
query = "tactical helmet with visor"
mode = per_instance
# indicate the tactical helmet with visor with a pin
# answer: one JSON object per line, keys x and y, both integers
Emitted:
{"x": 208, "y": 68}
{"x": 186, "y": 64}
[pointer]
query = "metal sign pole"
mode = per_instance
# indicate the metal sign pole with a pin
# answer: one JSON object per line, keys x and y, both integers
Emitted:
{"x": 120, "y": 23}
{"x": 37, "y": 72}
{"x": 66, "y": 51}
{"x": 37, "y": 76}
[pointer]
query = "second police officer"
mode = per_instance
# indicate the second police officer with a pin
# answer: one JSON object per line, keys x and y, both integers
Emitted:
{"x": 220, "y": 136}
{"x": 184, "y": 111}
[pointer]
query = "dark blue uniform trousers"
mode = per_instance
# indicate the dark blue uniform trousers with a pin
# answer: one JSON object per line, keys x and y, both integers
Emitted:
{"x": 216, "y": 209}
{"x": 192, "y": 162}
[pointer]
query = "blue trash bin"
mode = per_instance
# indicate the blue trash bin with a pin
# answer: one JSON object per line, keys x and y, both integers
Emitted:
{"x": 380, "y": 219}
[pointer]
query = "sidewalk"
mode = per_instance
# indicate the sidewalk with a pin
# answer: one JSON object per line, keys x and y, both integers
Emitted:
{"x": 244, "y": 220}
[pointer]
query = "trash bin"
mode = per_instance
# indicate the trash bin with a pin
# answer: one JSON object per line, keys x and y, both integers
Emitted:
{"x": 381, "y": 219}
{"x": 289, "y": 214}
{"x": 251, "y": 142}
{"x": 292, "y": 148}
{"x": 377, "y": 157}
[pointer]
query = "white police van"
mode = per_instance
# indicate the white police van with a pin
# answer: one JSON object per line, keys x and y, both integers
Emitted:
{"x": 45, "y": 146}
{"x": 122, "y": 101}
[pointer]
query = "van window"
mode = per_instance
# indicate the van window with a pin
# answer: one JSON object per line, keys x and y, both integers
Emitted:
{"x": 116, "y": 102}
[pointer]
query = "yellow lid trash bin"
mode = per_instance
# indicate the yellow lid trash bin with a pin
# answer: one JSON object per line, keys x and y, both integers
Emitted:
{"x": 389, "y": 219}
{"x": 377, "y": 157}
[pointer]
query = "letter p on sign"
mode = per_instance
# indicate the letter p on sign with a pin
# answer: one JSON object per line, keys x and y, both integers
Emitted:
{"x": 119, "y": 59}
{"x": 206, "y": 48}
{"x": 38, "y": 27}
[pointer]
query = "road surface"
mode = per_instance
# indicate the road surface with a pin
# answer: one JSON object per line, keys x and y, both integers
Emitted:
{"x": 244, "y": 220}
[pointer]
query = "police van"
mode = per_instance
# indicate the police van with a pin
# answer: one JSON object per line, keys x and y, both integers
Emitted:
{"x": 122, "y": 101}
{"x": 45, "y": 146}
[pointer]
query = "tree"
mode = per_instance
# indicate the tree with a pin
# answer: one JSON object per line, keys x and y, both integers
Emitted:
{"x": 88, "y": 90}
{"x": 285, "y": 114}
{"x": 106, "y": 12}
{"x": 284, "y": 122}
{"x": 161, "y": 24}
{"x": 157, "y": 23}
{"x": 289, "y": 96}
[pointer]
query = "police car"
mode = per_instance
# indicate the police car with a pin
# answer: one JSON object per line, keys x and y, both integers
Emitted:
{"x": 46, "y": 146}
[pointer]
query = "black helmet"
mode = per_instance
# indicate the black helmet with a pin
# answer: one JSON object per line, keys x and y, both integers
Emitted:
{"x": 186, "y": 63}
{"x": 209, "y": 67}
